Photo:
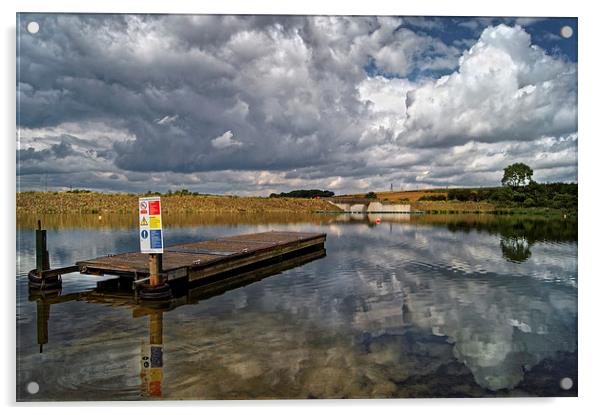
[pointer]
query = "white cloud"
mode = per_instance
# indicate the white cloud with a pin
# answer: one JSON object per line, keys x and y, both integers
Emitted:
{"x": 504, "y": 89}
{"x": 167, "y": 119}
{"x": 470, "y": 24}
{"x": 386, "y": 100}
{"x": 225, "y": 140}
{"x": 406, "y": 51}
{"x": 527, "y": 21}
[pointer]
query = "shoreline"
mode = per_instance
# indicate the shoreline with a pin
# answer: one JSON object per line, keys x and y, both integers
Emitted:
{"x": 61, "y": 203}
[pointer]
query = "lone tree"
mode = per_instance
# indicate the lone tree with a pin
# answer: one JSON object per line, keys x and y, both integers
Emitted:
{"x": 517, "y": 174}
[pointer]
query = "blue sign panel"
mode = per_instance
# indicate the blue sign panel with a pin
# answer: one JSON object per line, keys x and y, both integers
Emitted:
{"x": 156, "y": 242}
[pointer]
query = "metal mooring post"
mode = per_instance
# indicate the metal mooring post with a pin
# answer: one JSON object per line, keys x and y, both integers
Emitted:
{"x": 155, "y": 267}
{"x": 43, "y": 314}
{"x": 42, "y": 258}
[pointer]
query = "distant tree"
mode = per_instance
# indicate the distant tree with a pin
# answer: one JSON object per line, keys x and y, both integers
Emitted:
{"x": 517, "y": 174}
{"x": 370, "y": 195}
{"x": 433, "y": 197}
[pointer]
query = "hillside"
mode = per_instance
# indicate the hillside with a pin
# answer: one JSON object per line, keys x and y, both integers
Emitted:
{"x": 65, "y": 202}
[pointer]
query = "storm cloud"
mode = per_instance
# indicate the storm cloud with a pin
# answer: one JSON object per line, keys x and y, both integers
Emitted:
{"x": 257, "y": 104}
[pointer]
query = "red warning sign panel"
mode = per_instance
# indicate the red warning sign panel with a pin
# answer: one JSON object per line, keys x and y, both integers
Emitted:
{"x": 154, "y": 207}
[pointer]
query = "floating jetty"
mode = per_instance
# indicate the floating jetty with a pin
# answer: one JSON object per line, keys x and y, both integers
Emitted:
{"x": 190, "y": 263}
{"x": 204, "y": 259}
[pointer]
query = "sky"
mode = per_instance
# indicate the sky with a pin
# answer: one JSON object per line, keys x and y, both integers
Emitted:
{"x": 251, "y": 105}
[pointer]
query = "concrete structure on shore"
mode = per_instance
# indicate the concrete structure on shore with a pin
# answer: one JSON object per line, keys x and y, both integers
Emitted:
{"x": 368, "y": 206}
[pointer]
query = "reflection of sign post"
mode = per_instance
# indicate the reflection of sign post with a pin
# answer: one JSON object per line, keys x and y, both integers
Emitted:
{"x": 151, "y": 363}
{"x": 151, "y": 370}
{"x": 151, "y": 232}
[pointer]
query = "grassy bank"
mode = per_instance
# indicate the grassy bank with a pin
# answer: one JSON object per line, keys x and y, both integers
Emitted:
{"x": 65, "y": 203}
{"x": 533, "y": 199}
{"x": 413, "y": 198}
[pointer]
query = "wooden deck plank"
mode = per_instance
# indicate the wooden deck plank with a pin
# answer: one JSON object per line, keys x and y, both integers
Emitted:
{"x": 226, "y": 246}
{"x": 273, "y": 237}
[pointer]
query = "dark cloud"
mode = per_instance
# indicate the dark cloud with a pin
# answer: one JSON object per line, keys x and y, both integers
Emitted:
{"x": 56, "y": 151}
{"x": 291, "y": 100}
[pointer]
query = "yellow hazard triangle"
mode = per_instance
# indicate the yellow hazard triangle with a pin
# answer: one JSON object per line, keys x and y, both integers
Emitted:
{"x": 144, "y": 222}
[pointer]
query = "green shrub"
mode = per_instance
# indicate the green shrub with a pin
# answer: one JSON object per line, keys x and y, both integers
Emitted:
{"x": 462, "y": 195}
{"x": 305, "y": 193}
{"x": 433, "y": 198}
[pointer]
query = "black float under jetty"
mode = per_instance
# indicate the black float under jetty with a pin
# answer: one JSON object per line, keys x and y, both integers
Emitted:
{"x": 197, "y": 262}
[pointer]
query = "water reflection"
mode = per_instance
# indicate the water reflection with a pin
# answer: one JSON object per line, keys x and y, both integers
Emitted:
{"x": 399, "y": 309}
{"x": 116, "y": 220}
{"x": 517, "y": 249}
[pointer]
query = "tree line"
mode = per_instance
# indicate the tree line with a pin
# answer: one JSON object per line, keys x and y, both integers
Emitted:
{"x": 312, "y": 193}
{"x": 518, "y": 190}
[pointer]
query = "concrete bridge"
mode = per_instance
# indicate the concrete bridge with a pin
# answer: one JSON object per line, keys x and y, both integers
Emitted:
{"x": 364, "y": 205}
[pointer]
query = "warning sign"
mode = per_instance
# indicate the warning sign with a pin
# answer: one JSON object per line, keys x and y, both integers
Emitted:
{"x": 151, "y": 235}
{"x": 155, "y": 222}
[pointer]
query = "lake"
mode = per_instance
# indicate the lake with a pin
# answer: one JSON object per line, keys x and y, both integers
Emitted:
{"x": 403, "y": 306}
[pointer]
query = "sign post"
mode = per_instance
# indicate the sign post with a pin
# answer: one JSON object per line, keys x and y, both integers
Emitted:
{"x": 151, "y": 235}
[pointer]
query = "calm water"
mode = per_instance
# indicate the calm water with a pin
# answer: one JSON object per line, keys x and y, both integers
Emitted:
{"x": 422, "y": 307}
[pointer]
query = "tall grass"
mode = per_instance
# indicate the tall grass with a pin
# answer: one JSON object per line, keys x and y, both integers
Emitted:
{"x": 98, "y": 203}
